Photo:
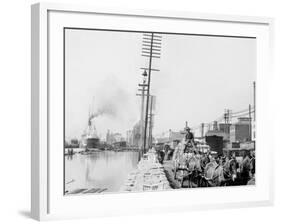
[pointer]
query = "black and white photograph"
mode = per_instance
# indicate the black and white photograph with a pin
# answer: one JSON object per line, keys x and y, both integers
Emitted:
{"x": 142, "y": 111}
{"x": 157, "y": 111}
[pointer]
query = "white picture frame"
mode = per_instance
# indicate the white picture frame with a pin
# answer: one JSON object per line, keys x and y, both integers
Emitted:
{"x": 47, "y": 201}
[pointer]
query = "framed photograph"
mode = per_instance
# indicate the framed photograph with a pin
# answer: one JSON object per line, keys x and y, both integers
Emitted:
{"x": 148, "y": 111}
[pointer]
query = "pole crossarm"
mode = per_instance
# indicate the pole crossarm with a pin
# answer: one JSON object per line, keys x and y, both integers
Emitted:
{"x": 150, "y": 56}
{"x": 153, "y": 46}
{"x": 154, "y": 49}
{"x": 152, "y": 69}
{"x": 149, "y": 39}
{"x": 142, "y": 89}
{"x": 146, "y": 52}
{"x": 141, "y": 94}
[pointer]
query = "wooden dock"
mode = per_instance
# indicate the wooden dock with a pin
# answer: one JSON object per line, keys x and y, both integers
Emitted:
{"x": 87, "y": 191}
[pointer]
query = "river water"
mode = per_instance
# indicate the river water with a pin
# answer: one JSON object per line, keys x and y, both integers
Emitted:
{"x": 106, "y": 169}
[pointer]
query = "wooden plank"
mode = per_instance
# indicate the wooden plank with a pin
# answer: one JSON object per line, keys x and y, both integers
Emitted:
{"x": 78, "y": 191}
{"x": 102, "y": 190}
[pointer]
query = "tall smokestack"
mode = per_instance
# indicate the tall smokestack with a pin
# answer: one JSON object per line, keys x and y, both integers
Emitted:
{"x": 215, "y": 126}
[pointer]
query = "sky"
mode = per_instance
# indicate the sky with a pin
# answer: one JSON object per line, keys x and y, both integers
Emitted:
{"x": 200, "y": 77}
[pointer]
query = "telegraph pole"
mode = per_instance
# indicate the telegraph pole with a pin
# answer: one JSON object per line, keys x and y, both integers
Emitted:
{"x": 202, "y": 130}
{"x": 142, "y": 107}
{"x": 228, "y": 118}
{"x": 254, "y": 90}
{"x": 150, "y": 121}
{"x": 250, "y": 123}
{"x": 225, "y": 120}
{"x": 151, "y": 47}
{"x": 254, "y": 117}
{"x": 142, "y": 95}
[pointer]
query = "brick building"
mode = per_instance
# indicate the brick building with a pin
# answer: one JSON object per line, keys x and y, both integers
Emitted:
{"x": 241, "y": 131}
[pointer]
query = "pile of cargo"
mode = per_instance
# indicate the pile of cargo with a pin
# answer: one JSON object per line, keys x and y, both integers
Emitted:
{"x": 149, "y": 175}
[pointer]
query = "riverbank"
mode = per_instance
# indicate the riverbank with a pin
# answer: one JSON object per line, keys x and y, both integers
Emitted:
{"x": 98, "y": 172}
{"x": 84, "y": 151}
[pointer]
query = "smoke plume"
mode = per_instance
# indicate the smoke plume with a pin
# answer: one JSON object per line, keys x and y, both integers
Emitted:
{"x": 111, "y": 99}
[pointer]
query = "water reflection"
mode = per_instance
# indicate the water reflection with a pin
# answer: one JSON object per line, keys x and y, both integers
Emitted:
{"x": 106, "y": 169}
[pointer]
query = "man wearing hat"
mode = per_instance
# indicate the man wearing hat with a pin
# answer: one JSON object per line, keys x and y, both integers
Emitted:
{"x": 189, "y": 139}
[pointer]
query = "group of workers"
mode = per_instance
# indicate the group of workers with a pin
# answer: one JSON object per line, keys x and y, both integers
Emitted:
{"x": 213, "y": 169}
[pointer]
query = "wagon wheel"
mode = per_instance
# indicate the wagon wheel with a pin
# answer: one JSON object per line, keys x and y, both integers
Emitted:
{"x": 179, "y": 180}
{"x": 189, "y": 181}
{"x": 182, "y": 178}
{"x": 188, "y": 178}
{"x": 185, "y": 177}
{"x": 175, "y": 173}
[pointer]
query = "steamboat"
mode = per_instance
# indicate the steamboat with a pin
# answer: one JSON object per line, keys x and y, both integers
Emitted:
{"x": 90, "y": 139}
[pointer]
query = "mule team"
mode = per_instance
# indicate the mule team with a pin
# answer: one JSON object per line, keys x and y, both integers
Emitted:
{"x": 193, "y": 168}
